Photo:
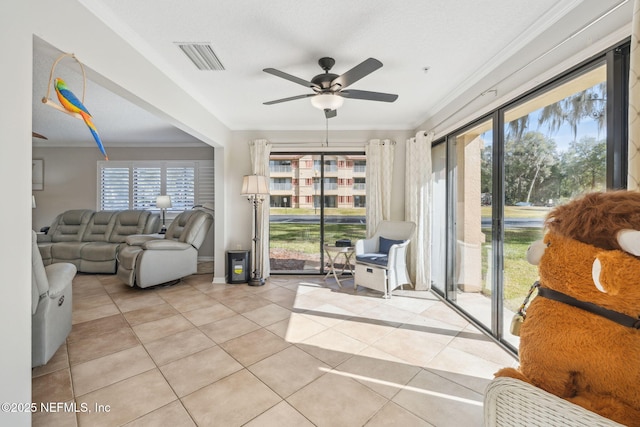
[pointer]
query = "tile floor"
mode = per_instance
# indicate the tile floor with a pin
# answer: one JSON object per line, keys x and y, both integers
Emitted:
{"x": 298, "y": 351}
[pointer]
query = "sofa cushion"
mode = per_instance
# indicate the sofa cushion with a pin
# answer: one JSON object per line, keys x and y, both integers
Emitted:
{"x": 39, "y": 281}
{"x": 153, "y": 224}
{"x": 67, "y": 251}
{"x": 384, "y": 244}
{"x": 45, "y": 252}
{"x": 60, "y": 276}
{"x": 374, "y": 258}
{"x": 128, "y": 255}
{"x": 70, "y": 225}
{"x": 190, "y": 227}
{"x": 128, "y": 223}
{"x": 176, "y": 230}
{"x": 100, "y": 226}
{"x": 99, "y": 251}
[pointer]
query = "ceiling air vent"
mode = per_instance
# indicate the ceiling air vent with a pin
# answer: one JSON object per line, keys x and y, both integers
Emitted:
{"x": 202, "y": 55}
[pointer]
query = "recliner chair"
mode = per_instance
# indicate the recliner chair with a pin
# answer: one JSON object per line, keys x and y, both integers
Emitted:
{"x": 149, "y": 260}
{"x": 381, "y": 261}
{"x": 51, "y": 301}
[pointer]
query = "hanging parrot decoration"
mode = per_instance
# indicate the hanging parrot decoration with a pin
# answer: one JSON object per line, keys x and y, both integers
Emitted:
{"x": 71, "y": 103}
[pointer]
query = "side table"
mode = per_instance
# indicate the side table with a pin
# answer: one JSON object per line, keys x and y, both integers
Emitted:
{"x": 333, "y": 252}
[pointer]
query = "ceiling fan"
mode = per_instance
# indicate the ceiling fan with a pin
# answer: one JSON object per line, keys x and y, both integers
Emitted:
{"x": 329, "y": 89}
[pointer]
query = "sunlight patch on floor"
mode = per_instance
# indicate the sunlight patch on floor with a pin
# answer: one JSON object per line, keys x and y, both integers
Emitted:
{"x": 402, "y": 387}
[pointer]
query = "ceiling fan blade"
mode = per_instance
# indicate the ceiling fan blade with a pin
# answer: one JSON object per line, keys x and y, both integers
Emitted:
{"x": 37, "y": 135}
{"x": 291, "y": 78}
{"x": 330, "y": 113}
{"x": 369, "y": 96}
{"x": 361, "y": 70}
{"x": 291, "y": 98}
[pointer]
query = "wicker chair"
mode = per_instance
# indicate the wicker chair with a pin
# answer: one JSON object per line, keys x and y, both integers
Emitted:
{"x": 381, "y": 261}
{"x": 515, "y": 403}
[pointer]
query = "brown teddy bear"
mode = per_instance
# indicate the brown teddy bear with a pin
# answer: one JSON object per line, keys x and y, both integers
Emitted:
{"x": 581, "y": 337}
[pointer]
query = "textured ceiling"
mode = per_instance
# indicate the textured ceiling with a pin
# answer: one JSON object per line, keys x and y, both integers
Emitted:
{"x": 461, "y": 42}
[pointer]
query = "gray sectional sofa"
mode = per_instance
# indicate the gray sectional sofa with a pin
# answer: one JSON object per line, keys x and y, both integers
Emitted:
{"x": 91, "y": 240}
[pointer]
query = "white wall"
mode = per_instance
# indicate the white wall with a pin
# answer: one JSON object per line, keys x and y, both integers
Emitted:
{"x": 15, "y": 186}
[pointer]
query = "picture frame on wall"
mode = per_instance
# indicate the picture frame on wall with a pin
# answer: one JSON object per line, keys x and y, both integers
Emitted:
{"x": 37, "y": 174}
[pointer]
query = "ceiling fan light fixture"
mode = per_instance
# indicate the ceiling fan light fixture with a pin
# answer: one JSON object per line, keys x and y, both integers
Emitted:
{"x": 327, "y": 101}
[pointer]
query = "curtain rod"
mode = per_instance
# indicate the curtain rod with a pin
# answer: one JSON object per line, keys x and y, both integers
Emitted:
{"x": 334, "y": 144}
{"x": 318, "y": 143}
{"x": 495, "y": 91}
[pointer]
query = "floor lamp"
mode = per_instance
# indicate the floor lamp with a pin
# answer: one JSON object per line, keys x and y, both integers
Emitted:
{"x": 255, "y": 188}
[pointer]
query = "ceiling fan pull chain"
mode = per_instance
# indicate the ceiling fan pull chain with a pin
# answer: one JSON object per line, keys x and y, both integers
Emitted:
{"x": 327, "y": 132}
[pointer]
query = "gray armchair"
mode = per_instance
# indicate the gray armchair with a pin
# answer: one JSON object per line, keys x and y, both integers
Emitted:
{"x": 50, "y": 305}
{"x": 149, "y": 260}
{"x": 381, "y": 261}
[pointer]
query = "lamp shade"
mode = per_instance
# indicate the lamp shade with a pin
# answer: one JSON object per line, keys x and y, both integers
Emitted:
{"x": 254, "y": 184}
{"x": 327, "y": 101}
{"x": 163, "y": 202}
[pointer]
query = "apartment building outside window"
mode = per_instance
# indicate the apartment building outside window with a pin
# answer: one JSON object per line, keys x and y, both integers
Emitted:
{"x": 343, "y": 176}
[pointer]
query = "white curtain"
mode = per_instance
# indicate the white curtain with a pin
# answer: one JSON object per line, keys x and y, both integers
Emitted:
{"x": 260, "y": 150}
{"x": 379, "y": 172}
{"x": 633, "y": 176}
{"x": 417, "y": 200}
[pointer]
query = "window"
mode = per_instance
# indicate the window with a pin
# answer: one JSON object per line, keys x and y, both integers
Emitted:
{"x": 359, "y": 201}
{"x": 135, "y": 185}
{"x": 276, "y": 166}
{"x": 331, "y": 184}
{"x": 280, "y": 184}
{"x": 330, "y": 166}
{"x": 147, "y": 185}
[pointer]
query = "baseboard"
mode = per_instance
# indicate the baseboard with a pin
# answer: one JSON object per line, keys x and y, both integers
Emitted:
{"x": 219, "y": 280}
{"x": 205, "y": 258}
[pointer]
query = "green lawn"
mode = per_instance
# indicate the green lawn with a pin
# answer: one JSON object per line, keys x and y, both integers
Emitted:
{"x": 305, "y": 238}
{"x": 518, "y": 211}
{"x": 311, "y": 211}
{"x": 518, "y": 273}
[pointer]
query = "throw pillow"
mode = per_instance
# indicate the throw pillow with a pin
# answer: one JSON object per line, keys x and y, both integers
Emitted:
{"x": 385, "y": 244}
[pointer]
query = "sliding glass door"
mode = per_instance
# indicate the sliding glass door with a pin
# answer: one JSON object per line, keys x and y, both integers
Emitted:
{"x": 555, "y": 149}
{"x": 316, "y": 198}
{"x": 499, "y": 176}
